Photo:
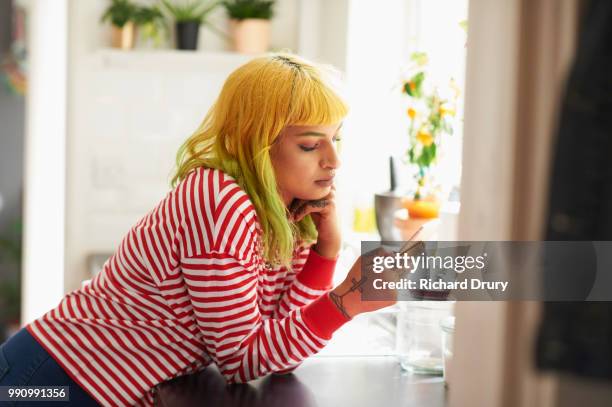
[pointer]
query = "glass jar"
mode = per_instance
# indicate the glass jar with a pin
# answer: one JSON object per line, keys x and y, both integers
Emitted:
{"x": 419, "y": 336}
{"x": 448, "y": 329}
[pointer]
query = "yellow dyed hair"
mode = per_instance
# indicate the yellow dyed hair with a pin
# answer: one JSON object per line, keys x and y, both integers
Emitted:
{"x": 257, "y": 101}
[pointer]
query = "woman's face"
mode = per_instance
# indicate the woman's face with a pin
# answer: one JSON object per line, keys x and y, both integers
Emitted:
{"x": 305, "y": 161}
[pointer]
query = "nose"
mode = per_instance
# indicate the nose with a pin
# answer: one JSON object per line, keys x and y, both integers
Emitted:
{"x": 331, "y": 160}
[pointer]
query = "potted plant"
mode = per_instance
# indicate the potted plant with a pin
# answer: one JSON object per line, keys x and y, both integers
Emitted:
{"x": 121, "y": 13}
{"x": 250, "y": 24}
{"x": 430, "y": 115}
{"x": 150, "y": 21}
{"x": 126, "y": 16}
{"x": 188, "y": 16}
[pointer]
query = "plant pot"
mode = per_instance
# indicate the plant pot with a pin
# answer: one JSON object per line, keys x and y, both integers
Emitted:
{"x": 123, "y": 37}
{"x": 422, "y": 208}
{"x": 187, "y": 35}
{"x": 250, "y": 36}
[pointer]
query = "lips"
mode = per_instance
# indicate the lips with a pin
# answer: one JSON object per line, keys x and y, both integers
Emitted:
{"x": 325, "y": 182}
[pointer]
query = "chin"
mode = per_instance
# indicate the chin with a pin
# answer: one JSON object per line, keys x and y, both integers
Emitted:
{"x": 313, "y": 195}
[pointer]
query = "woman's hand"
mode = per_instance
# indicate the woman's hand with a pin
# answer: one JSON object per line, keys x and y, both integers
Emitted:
{"x": 348, "y": 295}
{"x": 325, "y": 218}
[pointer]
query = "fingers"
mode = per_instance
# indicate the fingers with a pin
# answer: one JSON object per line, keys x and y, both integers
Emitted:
{"x": 299, "y": 208}
{"x": 310, "y": 207}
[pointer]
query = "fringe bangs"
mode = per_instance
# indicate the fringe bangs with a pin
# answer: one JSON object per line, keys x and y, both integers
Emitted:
{"x": 316, "y": 100}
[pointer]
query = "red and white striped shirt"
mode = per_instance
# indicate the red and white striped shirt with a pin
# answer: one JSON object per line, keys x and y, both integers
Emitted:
{"x": 186, "y": 287}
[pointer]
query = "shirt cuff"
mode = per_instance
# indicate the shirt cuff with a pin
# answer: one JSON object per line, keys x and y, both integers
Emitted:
{"x": 323, "y": 317}
{"x": 318, "y": 271}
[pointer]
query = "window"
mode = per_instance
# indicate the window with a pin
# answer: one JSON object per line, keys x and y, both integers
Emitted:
{"x": 378, "y": 47}
{"x": 379, "y": 44}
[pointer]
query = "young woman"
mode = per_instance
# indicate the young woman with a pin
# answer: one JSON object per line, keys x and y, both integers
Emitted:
{"x": 233, "y": 267}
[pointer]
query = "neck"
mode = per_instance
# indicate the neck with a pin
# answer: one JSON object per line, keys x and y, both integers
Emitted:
{"x": 287, "y": 199}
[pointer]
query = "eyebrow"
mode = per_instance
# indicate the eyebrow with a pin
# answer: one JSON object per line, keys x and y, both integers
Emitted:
{"x": 315, "y": 133}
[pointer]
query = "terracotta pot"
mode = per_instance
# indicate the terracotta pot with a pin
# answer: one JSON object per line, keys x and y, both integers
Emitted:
{"x": 123, "y": 37}
{"x": 250, "y": 36}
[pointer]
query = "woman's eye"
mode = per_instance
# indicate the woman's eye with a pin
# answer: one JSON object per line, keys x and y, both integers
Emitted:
{"x": 336, "y": 139}
{"x": 306, "y": 148}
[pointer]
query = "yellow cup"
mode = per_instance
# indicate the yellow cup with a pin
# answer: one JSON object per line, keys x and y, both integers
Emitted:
{"x": 364, "y": 219}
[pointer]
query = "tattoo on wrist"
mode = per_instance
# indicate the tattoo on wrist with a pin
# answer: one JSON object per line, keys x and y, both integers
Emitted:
{"x": 338, "y": 300}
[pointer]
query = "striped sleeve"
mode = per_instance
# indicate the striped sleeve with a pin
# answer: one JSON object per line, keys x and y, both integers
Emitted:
{"x": 314, "y": 278}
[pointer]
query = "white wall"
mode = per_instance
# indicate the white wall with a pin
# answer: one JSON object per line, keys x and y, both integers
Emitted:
{"x": 133, "y": 111}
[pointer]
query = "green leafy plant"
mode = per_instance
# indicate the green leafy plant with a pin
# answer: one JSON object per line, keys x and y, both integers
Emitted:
{"x": 430, "y": 117}
{"x": 151, "y": 23}
{"x": 243, "y": 9}
{"x": 119, "y": 13}
{"x": 190, "y": 11}
{"x": 147, "y": 15}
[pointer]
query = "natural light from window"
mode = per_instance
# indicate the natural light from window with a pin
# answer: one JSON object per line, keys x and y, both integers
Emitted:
{"x": 380, "y": 43}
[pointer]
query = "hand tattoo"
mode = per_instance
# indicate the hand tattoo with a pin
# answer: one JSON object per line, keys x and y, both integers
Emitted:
{"x": 319, "y": 203}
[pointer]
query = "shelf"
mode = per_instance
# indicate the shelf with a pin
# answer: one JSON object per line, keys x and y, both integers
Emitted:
{"x": 167, "y": 59}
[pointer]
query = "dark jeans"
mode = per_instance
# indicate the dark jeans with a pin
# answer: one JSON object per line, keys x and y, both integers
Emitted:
{"x": 23, "y": 362}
